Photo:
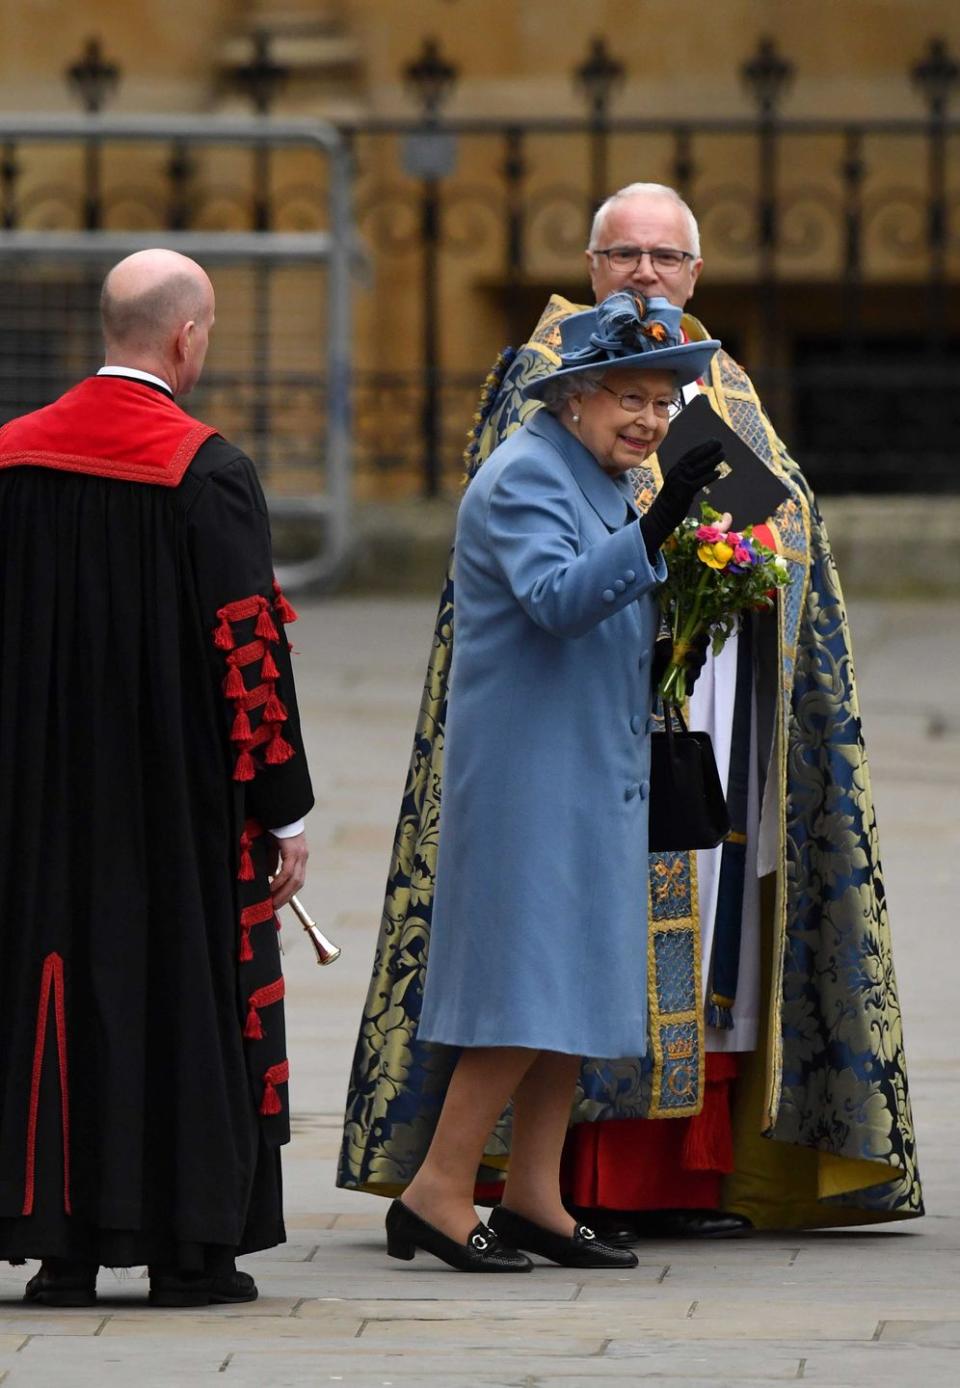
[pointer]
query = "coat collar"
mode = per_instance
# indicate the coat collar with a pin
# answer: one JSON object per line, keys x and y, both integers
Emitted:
{"x": 610, "y": 497}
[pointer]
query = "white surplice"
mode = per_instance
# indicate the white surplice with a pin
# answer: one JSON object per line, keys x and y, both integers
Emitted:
{"x": 711, "y": 711}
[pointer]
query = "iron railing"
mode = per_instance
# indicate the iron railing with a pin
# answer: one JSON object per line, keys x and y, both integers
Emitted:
{"x": 832, "y": 252}
{"x": 278, "y": 384}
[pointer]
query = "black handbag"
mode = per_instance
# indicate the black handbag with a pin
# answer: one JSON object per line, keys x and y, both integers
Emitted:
{"x": 687, "y": 806}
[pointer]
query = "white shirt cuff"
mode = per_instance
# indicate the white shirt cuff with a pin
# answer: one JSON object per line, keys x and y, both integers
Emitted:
{"x": 287, "y": 831}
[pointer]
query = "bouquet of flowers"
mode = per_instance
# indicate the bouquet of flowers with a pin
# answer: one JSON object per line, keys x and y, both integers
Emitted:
{"x": 713, "y": 574}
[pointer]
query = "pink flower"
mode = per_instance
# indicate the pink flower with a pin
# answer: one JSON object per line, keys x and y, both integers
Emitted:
{"x": 709, "y": 534}
{"x": 743, "y": 555}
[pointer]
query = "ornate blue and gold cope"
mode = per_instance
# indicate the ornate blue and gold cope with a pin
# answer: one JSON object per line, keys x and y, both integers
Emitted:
{"x": 828, "y": 1084}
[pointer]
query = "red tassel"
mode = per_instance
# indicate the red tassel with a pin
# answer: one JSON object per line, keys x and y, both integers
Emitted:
{"x": 268, "y": 670}
{"x": 253, "y": 1031}
{"x": 280, "y": 605}
{"x": 223, "y": 636}
{"x": 277, "y": 1074}
{"x": 265, "y": 627}
{"x": 278, "y": 750}
{"x": 245, "y": 871}
{"x": 233, "y": 685}
{"x": 246, "y": 953}
{"x": 270, "y": 1103}
{"x": 274, "y": 711}
{"x": 241, "y": 727}
{"x": 244, "y": 769}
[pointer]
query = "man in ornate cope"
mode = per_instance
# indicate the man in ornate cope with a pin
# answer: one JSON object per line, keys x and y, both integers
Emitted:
{"x": 773, "y": 1092}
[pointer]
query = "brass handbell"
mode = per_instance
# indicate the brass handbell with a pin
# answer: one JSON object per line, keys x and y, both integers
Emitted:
{"x": 326, "y": 951}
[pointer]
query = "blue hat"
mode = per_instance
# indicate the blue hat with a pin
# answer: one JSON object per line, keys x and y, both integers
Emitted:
{"x": 627, "y": 330}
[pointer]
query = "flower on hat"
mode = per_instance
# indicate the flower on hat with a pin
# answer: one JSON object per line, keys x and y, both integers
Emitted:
{"x": 627, "y": 324}
{"x": 657, "y": 331}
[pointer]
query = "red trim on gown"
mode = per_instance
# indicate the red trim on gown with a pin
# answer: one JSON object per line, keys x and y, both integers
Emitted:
{"x": 651, "y": 1164}
{"x": 107, "y": 426}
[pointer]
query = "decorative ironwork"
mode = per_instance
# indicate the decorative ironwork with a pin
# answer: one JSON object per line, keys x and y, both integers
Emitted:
{"x": 768, "y": 75}
{"x": 261, "y": 80}
{"x": 9, "y": 173}
{"x": 510, "y": 216}
{"x": 514, "y": 171}
{"x": 92, "y": 78}
{"x": 94, "y": 81}
{"x": 180, "y": 170}
{"x": 431, "y": 78}
{"x": 598, "y": 75}
{"x": 936, "y": 76}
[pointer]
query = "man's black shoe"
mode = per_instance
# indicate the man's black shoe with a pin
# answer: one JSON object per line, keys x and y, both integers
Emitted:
{"x": 689, "y": 1224}
{"x": 171, "y": 1288}
{"x": 63, "y": 1283}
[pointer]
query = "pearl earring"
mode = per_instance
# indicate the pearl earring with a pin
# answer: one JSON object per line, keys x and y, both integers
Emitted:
{"x": 575, "y": 418}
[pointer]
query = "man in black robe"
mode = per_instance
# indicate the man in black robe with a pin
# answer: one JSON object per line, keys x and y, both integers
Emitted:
{"x": 154, "y": 779}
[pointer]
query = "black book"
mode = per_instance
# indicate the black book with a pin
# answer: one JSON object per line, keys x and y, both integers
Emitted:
{"x": 748, "y": 489}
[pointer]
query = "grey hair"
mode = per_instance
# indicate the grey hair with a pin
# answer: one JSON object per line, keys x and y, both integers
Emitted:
{"x": 557, "y": 392}
{"x": 649, "y": 190}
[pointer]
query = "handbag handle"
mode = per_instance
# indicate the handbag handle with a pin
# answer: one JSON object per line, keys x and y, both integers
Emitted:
{"x": 676, "y": 712}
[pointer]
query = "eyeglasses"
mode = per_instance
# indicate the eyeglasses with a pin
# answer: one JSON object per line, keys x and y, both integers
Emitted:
{"x": 639, "y": 404}
{"x": 667, "y": 259}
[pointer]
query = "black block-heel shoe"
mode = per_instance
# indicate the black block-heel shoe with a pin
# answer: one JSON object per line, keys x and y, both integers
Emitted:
{"x": 582, "y": 1250}
{"x": 482, "y": 1252}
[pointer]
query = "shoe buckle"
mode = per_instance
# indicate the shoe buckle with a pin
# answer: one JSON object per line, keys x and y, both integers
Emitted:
{"x": 479, "y": 1242}
{"x": 586, "y": 1233}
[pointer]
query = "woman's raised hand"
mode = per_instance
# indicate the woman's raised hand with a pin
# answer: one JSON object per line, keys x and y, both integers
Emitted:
{"x": 691, "y": 472}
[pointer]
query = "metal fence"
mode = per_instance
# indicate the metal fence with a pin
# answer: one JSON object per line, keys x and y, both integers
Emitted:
{"x": 832, "y": 254}
{"x": 277, "y": 380}
{"x": 832, "y": 268}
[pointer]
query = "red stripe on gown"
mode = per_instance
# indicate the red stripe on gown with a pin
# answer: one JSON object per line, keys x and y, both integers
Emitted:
{"x": 51, "y": 979}
{"x": 658, "y": 1164}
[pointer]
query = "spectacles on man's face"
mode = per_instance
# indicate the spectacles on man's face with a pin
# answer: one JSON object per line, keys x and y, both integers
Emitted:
{"x": 667, "y": 259}
{"x": 664, "y": 406}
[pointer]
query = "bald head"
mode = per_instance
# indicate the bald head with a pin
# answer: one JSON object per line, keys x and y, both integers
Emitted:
{"x": 157, "y": 310}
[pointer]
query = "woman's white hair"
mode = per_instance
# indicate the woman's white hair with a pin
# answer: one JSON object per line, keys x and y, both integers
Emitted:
{"x": 556, "y": 393}
{"x": 645, "y": 190}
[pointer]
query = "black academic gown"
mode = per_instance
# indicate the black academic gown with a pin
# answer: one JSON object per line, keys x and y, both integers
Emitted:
{"x": 143, "y": 1094}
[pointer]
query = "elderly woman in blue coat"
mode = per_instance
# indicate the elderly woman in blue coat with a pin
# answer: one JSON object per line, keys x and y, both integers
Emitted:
{"x": 538, "y": 938}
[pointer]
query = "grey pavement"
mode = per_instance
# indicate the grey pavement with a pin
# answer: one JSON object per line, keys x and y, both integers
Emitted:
{"x": 835, "y": 1309}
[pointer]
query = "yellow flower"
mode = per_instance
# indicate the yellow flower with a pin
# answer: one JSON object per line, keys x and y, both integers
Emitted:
{"x": 716, "y": 556}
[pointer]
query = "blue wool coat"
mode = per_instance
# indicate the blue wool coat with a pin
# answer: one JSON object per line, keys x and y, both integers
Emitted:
{"x": 538, "y": 935}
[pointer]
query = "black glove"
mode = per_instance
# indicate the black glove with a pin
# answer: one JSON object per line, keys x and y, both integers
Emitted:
{"x": 695, "y": 469}
{"x": 694, "y": 663}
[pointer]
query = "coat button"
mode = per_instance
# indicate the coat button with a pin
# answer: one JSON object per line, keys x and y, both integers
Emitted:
{"x": 620, "y": 586}
{"x": 636, "y": 723}
{"x": 631, "y": 791}
{"x": 630, "y": 575}
{"x": 608, "y": 595}
{"x": 644, "y": 789}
